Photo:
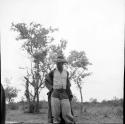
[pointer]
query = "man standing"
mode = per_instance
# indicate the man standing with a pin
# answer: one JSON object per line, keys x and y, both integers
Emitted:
{"x": 60, "y": 94}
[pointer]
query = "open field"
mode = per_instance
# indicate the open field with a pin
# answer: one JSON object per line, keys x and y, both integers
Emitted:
{"x": 93, "y": 114}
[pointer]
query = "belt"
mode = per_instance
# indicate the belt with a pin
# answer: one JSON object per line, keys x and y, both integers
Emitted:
{"x": 60, "y": 93}
{"x": 60, "y": 90}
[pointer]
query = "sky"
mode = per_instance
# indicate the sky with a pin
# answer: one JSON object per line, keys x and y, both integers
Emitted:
{"x": 95, "y": 26}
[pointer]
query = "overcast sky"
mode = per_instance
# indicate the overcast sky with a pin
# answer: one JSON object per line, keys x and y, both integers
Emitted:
{"x": 95, "y": 26}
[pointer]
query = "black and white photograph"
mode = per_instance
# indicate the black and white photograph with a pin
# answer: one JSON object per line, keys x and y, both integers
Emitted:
{"x": 62, "y": 61}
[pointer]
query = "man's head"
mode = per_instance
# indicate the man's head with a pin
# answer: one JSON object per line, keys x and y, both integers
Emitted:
{"x": 60, "y": 62}
{"x": 59, "y": 65}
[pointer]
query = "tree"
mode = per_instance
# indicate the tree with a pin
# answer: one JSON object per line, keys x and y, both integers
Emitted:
{"x": 78, "y": 63}
{"x": 36, "y": 39}
{"x": 10, "y": 93}
{"x": 54, "y": 51}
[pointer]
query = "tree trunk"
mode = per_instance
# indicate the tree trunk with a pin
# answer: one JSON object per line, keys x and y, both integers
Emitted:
{"x": 27, "y": 94}
{"x": 80, "y": 89}
{"x": 37, "y": 101}
{"x": 37, "y": 88}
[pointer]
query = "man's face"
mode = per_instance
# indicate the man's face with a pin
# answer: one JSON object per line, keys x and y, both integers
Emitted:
{"x": 59, "y": 65}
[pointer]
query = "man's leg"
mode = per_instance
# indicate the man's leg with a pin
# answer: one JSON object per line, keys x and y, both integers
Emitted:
{"x": 55, "y": 106}
{"x": 66, "y": 111}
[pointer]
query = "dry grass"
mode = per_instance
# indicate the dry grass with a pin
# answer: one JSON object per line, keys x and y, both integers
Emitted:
{"x": 100, "y": 114}
{"x": 94, "y": 115}
{"x": 18, "y": 115}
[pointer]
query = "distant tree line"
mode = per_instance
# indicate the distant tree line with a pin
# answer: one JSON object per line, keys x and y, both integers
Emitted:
{"x": 114, "y": 101}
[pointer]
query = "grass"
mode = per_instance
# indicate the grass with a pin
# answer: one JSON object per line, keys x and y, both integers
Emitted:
{"x": 95, "y": 114}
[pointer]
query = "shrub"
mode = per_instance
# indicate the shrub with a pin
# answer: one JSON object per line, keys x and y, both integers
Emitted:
{"x": 119, "y": 111}
{"x": 13, "y": 106}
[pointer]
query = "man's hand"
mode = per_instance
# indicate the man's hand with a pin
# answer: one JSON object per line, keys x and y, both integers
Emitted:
{"x": 70, "y": 97}
{"x": 48, "y": 83}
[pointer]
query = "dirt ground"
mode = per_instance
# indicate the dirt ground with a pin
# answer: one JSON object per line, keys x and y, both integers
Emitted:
{"x": 92, "y": 115}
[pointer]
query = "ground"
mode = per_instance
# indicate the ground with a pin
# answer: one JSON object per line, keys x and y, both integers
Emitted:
{"x": 94, "y": 114}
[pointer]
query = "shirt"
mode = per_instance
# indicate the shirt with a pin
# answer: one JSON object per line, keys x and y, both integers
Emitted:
{"x": 60, "y": 79}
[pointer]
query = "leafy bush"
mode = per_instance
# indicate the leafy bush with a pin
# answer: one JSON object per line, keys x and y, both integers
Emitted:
{"x": 13, "y": 106}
